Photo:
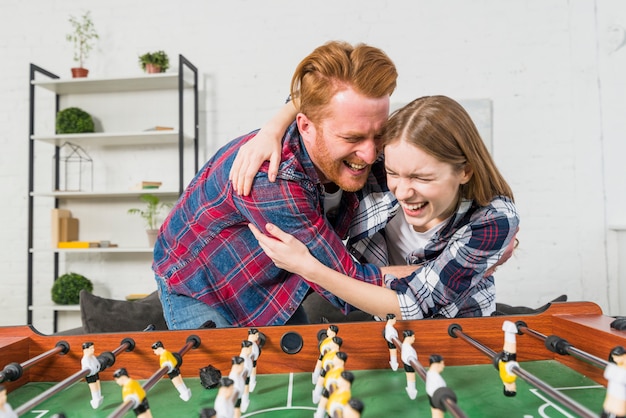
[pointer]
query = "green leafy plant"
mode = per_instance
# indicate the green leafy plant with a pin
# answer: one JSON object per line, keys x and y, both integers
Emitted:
{"x": 152, "y": 210}
{"x": 66, "y": 288}
{"x": 158, "y": 58}
{"x": 83, "y": 37}
{"x": 74, "y": 120}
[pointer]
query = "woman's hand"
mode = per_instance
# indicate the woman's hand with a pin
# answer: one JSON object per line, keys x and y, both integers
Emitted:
{"x": 284, "y": 249}
{"x": 263, "y": 147}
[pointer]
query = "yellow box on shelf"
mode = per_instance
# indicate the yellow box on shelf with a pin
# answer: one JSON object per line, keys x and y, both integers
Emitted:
{"x": 78, "y": 244}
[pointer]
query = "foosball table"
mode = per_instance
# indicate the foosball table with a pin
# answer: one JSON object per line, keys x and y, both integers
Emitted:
{"x": 561, "y": 354}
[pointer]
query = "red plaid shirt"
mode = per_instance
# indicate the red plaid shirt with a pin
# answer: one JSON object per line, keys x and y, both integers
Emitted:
{"x": 206, "y": 251}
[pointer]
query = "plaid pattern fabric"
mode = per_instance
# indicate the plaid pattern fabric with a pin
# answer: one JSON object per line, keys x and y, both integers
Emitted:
{"x": 206, "y": 251}
{"x": 454, "y": 279}
{"x": 377, "y": 205}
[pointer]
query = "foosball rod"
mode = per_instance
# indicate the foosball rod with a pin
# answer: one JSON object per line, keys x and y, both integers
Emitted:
{"x": 14, "y": 371}
{"x": 106, "y": 360}
{"x": 456, "y": 331}
{"x": 449, "y": 401}
{"x": 559, "y": 345}
{"x": 193, "y": 341}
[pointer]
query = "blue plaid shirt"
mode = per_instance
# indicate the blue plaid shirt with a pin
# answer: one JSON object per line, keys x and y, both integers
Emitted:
{"x": 454, "y": 278}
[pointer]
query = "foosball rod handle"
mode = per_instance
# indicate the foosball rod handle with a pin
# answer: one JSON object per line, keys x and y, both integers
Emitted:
{"x": 14, "y": 371}
{"x": 559, "y": 345}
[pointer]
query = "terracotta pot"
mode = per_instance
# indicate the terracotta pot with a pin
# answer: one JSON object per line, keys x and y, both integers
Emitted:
{"x": 79, "y": 72}
{"x": 153, "y": 69}
{"x": 152, "y": 236}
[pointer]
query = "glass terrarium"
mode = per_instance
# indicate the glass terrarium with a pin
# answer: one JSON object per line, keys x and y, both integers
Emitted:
{"x": 75, "y": 169}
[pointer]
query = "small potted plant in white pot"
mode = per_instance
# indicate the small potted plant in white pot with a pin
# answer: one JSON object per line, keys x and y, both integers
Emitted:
{"x": 83, "y": 37}
{"x": 151, "y": 214}
{"x": 154, "y": 62}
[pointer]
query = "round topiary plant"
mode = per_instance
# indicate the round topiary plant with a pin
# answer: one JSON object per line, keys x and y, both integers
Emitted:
{"x": 74, "y": 120}
{"x": 67, "y": 287}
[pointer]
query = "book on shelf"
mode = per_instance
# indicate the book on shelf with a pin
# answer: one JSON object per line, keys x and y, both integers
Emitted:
{"x": 160, "y": 128}
{"x": 151, "y": 184}
{"x": 78, "y": 244}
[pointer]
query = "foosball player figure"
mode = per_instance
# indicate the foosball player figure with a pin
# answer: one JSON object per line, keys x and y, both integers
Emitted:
{"x": 354, "y": 408}
{"x": 237, "y": 375}
{"x": 331, "y": 332}
{"x": 507, "y": 359}
{"x": 340, "y": 396}
{"x": 246, "y": 354}
{"x": 390, "y": 333}
{"x": 434, "y": 381}
{"x": 326, "y": 364}
{"x": 331, "y": 378}
{"x": 167, "y": 359}
{"x": 409, "y": 354}
{"x": 226, "y": 398}
{"x": 254, "y": 337}
{"x": 615, "y": 373}
{"x": 5, "y": 408}
{"x": 90, "y": 361}
{"x": 133, "y": 392}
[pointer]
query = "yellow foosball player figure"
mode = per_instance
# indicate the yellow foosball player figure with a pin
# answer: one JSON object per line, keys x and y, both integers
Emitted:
{"x": 354, "y": 408}
{"x": 324, "y": 345}
{"x": 133, "y": 392}
{"x": 332, "y": 375}
{"x": 90, "y": 361}
{"x": 5, "y": 408}
{"x": 614, "y": 405}
{"x": 341, "y": 395}
{"x": 326, "y": 364}
{"x": 508, "y": 359}
{"x": 167, "y": 359}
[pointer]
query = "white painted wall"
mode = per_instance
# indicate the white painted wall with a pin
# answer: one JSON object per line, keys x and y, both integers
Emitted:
{"x": 554, "y": 71}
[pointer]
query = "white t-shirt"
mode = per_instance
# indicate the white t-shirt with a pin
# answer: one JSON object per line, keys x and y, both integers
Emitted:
{"x": 402, "y": 239}
{"x": 332, "y": 200}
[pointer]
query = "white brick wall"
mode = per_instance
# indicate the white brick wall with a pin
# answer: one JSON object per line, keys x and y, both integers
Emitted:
{"x": 557, "y": 90}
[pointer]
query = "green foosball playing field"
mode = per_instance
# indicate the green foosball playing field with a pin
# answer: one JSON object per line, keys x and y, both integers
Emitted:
{"x": 477, "y": 387}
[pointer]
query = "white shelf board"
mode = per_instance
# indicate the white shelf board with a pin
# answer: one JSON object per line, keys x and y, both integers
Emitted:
{"x": 89, "y": 85}
{"x": 103, "y": 194}
{"x": 55, "y": 307}
{"x": 114, "y": 138}
{"x": 126, "y": 250}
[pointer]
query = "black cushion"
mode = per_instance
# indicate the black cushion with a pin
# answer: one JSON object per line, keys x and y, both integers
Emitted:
{"x": 110, "y": 315}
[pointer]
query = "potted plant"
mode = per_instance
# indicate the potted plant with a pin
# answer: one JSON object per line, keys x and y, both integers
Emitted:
{"x": 154, "y": 62}
{"x": 83, "y": 37}
{"x": 74, "y": 120}
{"x": 151, "y": 214}
{"x": 66, "y": 288}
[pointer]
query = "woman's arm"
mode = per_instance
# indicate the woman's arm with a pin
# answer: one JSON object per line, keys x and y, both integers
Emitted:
{"x": 290, "y": 254}
{"x": 263, "y": 147}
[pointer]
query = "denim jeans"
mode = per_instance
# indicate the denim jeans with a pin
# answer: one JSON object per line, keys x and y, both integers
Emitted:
{"x": 184, "y": 312}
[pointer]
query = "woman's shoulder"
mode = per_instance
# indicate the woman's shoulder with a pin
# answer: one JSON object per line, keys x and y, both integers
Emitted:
{"x": 501, "y": 208}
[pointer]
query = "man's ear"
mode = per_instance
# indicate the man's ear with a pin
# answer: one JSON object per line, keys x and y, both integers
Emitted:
{"x": 306, "y": 128}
